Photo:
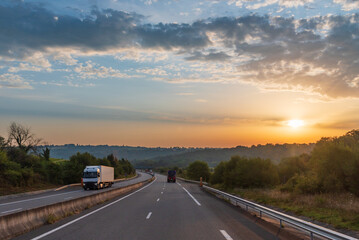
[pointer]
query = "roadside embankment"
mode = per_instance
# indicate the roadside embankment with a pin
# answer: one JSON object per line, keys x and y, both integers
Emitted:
{"x": 18, "y": 223}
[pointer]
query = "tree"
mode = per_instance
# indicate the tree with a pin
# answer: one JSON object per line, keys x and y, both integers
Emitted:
{"x": 290, "y": 166}
{"x": 23, "y": 137}
{"x": 3, "y": 143}
{"x": 46, "y": 154}
{"x": 198, "y": 169}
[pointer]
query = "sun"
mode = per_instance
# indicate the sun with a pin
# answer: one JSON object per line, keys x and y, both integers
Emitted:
{"x": 295, "y": 123}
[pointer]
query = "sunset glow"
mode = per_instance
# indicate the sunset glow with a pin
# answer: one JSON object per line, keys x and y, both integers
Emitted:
{"x": 180, "y": 73}
{"x": 295, "y": 123}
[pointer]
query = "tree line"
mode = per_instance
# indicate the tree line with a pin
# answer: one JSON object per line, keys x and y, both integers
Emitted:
{"x": 332, "y": 166}
{"x": 23, "y": 163}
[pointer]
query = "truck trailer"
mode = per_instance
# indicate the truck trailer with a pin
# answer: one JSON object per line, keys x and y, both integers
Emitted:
{"x": 97, "y": 177}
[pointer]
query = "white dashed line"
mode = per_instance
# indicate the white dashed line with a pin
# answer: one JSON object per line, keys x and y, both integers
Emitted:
{"x": 161, "y": 192}
{"x": 149, "y": 215}
{"x": 158, "y": 199}
{"x": 99, "y": 209}
{"x": 226, "y": 235}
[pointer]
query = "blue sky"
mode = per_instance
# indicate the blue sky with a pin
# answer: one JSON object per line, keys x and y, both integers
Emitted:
{"x": 179, "y": 73}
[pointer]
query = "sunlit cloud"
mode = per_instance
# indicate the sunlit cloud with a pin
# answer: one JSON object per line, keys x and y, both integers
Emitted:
{"x": 307, "y": 55}
{"x": 348, "y": 5}
{"x": 13, "y": 81}
{"x": 91, "y": 70}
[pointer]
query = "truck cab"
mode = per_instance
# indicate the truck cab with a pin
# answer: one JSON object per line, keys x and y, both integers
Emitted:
{"x": 97, "y": 177}
{"x": 171, "y": 176}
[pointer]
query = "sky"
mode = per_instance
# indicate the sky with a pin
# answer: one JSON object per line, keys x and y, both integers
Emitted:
{"x": 180, "y": 73}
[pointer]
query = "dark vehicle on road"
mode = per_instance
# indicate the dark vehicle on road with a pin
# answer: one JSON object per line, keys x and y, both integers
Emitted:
{"x": 171, "y": 176}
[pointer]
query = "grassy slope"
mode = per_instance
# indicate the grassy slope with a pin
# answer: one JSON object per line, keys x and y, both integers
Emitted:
{"x": 338, "y": 210}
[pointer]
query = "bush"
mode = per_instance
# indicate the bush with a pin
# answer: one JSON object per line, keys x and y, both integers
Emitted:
{"x": 218, "y": 175}
{"x": 13, "y": 177}
{"x": 198, "y": 169}
{"x": 289, "y": 167}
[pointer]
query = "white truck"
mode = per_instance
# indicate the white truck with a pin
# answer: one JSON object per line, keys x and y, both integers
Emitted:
{"x": 97, "y": 177}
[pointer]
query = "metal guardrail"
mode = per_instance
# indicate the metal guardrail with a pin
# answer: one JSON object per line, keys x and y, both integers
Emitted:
{"x": 313, "y": 229}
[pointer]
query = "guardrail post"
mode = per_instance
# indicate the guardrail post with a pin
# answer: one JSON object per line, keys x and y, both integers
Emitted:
{"x": 200, "y": 182}
{"x": 260, "y": 214}
{"x": 311, "y": 236}
{"x": 280, "y": 223}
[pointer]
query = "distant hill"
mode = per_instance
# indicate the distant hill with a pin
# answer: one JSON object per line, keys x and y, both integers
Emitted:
{"x": 181, "y": 157}
{"x": 215, "y": 155}
{"x": 127, "y": 152}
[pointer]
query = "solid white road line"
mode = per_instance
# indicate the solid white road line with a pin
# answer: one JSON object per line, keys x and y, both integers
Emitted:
{"x": 26, "y": 200}
{"x": 68, "y": 198}
{"x": 149, "y": 215}
{"x": 14, "y": 210}
{"x": 226, "y": 235}
{"x": 99, "y": 209}
{"x": 192, "y": 197}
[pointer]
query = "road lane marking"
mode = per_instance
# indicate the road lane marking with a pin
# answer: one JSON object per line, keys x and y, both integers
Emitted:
{"x": 14, "y": 210}
{"x": 226, "y": 235}
{"x": 179, "y": 184}
{"x": 192, "y": 197}
{"x": 26, "y": 200}
{"x": 161, "y": 192}
{"x": 99, "y": 209}
{"x": 68, "y": 198}
{"x": 149, "y": 215}
{"x": 158, "y": 199}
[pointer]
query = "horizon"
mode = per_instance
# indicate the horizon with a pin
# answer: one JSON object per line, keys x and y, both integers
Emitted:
{"x": 180, "y": 73}
{"x": 107, "y": 145}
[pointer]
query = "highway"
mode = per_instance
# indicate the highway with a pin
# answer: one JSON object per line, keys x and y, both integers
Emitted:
{"x": 159, "y": 210}
{"x": 21, "y": 203}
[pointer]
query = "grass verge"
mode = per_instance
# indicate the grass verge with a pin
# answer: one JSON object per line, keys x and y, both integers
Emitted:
{"x": 339, "y": 210}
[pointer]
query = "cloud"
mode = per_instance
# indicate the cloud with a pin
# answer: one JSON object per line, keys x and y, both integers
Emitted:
{"x": 252, "y": 4}
{"x": 152, "y": 71}
{"x": 213, "y": 56}
{"x": 91, "y": 70}
{"x": 348, "y": 5}
{"x": 13, "y": 81}
{"x": 141, "y": 55}
{"x": 28, "y": 67}
{"x": 318, "y": 55}
{"x": 36, "y": 28}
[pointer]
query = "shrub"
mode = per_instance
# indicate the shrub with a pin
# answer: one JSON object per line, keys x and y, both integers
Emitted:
{"x": 198, "y": 169}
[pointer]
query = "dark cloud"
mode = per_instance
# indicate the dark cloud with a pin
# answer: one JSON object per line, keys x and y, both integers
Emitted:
{"x": 212, "y": 56}
{"x": 320, "y": 54}
{"x": 28, "y": 27}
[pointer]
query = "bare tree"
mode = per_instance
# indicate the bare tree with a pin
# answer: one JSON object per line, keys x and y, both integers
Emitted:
{"x": 23, "y": 137}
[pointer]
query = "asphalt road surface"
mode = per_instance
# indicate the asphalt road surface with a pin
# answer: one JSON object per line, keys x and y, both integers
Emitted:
{"x": 159, "y": 210}
{"x": 21, "y": 203}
